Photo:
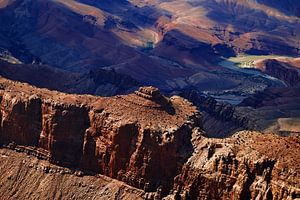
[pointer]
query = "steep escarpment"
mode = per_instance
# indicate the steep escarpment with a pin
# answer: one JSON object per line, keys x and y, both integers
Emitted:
{"x": 249, "y": 165}
{"x": 142, "y": 139}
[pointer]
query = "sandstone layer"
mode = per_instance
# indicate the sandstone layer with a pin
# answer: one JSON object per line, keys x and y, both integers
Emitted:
{"x": 249, "y": 165}
{"x": 142, "y": 139}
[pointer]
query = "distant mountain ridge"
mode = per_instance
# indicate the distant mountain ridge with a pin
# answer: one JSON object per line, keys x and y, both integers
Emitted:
{"x": 185, "y": 37}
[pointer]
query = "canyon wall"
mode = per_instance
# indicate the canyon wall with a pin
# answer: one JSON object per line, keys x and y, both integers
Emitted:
{"x": 249, "y": 165}
{"x": 220, "y": 119}
{"x": 151, "y": 142}
{"x": 133, "y": 138}
{"x": 283, "y": 71}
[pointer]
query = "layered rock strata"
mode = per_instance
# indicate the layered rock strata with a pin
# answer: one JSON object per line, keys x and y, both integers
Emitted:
{"x": 141, "y": 141}
{"x": 144, "y": 139}
{"x": 220, "y": 119}
{"x": 249, "y": 165}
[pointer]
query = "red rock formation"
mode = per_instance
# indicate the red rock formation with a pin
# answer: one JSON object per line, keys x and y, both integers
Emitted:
{"x": 146, "y": 143}
{"x": 142, "y": 141}
{"x": 249, "y": 165}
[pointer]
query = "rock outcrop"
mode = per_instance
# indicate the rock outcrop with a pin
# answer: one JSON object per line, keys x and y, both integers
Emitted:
{"x": 144, "y": 139}
{"x": 249, "y": 165}
{"x": 141, "y": 139}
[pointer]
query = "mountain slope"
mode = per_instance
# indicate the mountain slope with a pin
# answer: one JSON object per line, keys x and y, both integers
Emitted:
{"x": 155, "y": 42}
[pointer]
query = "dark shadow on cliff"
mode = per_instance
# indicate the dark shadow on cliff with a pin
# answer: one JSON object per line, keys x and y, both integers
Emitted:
{"x": 288, "y": 7}
{"x": 219, "y": 119}
{"x": 177, "y": 46}
{"x": 95, "y": 82}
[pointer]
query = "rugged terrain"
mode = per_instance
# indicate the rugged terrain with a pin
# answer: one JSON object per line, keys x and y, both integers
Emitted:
{"x": 96, "y": 81}
{"x": 249, "y": 165}
{"x": 276, "y": 109}
{"x": 107, "y": 48}
{"x": 140, "y": 139}
{"x": 144, "y": 139}
{"x": 26, "y": 177}
{"x": 235, "y": 60}
{"x": 172, "y": 45}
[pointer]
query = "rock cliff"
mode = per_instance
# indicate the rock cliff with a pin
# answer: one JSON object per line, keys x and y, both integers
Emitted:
{"x": 281, "y": 70}
{"x": 142, "y": 139}
{"x": 220, "y": 119}
{"x": 249, "y": 165}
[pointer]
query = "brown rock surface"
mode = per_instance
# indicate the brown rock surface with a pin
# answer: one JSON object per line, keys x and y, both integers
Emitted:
{"x": 142, "y": 141}
{"x": 26, "y": 177}
{"x": 249, "y": 165}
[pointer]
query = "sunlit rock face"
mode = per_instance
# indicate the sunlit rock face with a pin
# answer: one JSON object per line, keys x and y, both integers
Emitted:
{"x": 147, "y": 140}
{"x": 141, "y": 138}
{"x": 248, "y": 165}
{"x": 69, "y": 144}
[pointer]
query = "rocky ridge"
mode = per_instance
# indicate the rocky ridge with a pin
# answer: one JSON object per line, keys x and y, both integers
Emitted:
{"x": 130, "y": 138}
{"x": 97, "y": 81}
{"x": 286, "y": 71}
{"x": 249, "y": 165}
{"x": 144, "y": 139}
{"x": 220, "y": 119}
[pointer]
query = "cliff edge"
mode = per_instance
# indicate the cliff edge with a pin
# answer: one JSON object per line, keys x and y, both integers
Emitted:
{"x": 142, "y": 138}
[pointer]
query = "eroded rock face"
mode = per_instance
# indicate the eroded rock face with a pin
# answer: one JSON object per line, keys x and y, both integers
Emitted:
{"x": 220, "y": 119}
{"x": 141, "y": 141}
{"x": 249, "y": 165}
{"x": 146, "y": 140}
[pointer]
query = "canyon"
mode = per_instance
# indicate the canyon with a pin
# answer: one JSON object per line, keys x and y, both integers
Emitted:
{"x": 171, "y": 45}
{"x": 153, "y": 143}
{"x": 91, "y": 133}
{"x": 131, "y": 99}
